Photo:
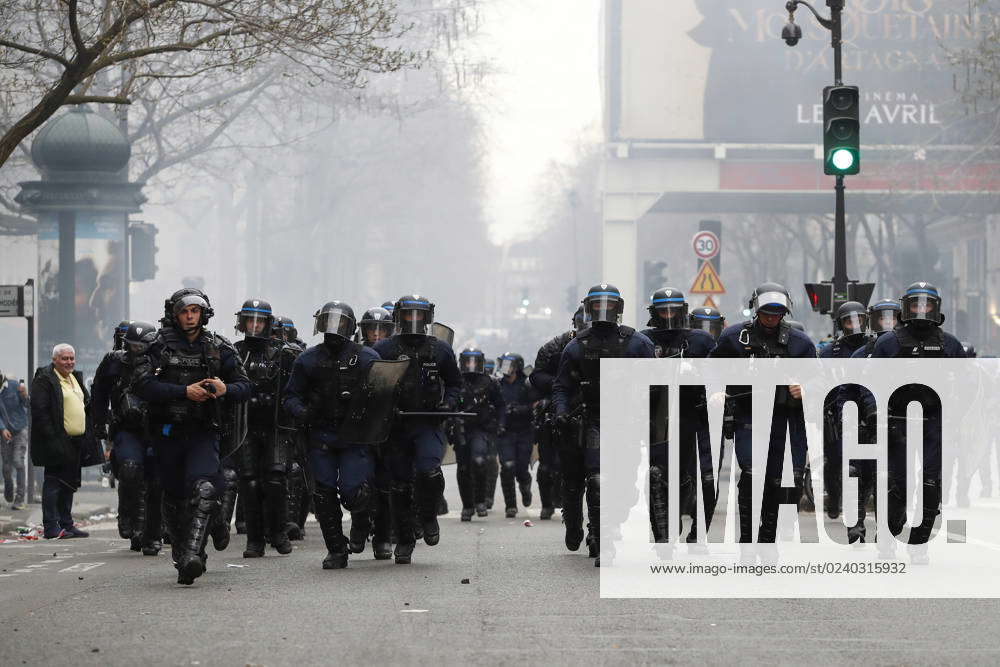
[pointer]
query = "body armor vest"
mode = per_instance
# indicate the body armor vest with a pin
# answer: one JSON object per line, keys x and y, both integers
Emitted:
{"x": 185, "y": 365}
{"x": 128, "y": 411}
{"x": 911, "y": 346}
{"x": 756, "y": 346}
{"x": 340, "y": 376}
{"x": 421, "y": 387}
{"x": 594, "y": 349}
{"x": 476, "y": 395}
{"x": 670, "y": 343}
{"x": 263, "y": 368}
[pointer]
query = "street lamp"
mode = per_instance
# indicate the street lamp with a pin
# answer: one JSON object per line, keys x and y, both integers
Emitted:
{"x": 841, "y": 138}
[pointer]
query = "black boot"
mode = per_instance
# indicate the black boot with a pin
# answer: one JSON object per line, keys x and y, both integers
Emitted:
{"x": 492, "y": 474}
{"x": 478, "y": 472}
{"x": 361, "y": 518}
{"x": 203, "y": 506}
{"x": 834, "y": 488}
{"x": 509, "y": 491}
{"x": 220, "y": 526}
{"x": 545, "y": 492}
{"x": 659, "y": 515}
{"x": 296, "y": 488}
{"x": 466, "y": 490}
{"x": 276, "y": 497}
{"x": 241, "y": 522}
{"x": 525, "y": 487}
{"x": 572, "y": 513}
{"x": 252, "y": 501}
{"x": 920, "y": 534}
{"x": 403, "y": 518}
{"x": 430, "y": 485}
{"x": 151, "y": 533}
{"x": 744, "y": 501}
{"x": 769, "y": 506}
{"x": 330, "y": 518}
{"x": 557, "y": 489}
{"x": 175, "y": 519}
{"x": 382, "y": 525}
{"x": 130, "y": 499}
{"x": 594, "y": 514}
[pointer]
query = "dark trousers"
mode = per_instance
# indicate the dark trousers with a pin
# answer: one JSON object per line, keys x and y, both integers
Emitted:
{"x": 184, "y": 457}
{"x": 346, "y": 469}
{"x": 61, "y": 482}
{"x": 515, "y": 453}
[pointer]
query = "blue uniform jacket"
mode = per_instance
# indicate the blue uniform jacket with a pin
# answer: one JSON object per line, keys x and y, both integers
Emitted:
{"x": 567, "y": 383}
{"x": 305, "y": 373}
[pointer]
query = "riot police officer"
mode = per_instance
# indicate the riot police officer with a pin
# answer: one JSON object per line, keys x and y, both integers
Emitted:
{"x": 708, "y": 319}
{"x": 431, "y": 383}
{"x": 492, "y": 459}
{"x": 375, "y": 324}
{"x": 919, "y": 335}
{"x": 883, "y": 317}
{"x": 481, "y": 395}
{"x": 672, "y": 336}
{"x": 576, "y": 394}
{"x": 852, "y": 322}
{"x": 542, "y": 379}
{"x": 189, "y": 376}
{"x": 324, "y": 378}
{"x": 263, "y": 457}
{"x": 284, "y": 329}
{"x": 766, "y": 335}
{"x": 121, "y": 416}
{"x": 516, "y": 435}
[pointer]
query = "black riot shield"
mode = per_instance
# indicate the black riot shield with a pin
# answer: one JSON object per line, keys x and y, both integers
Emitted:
{"x": 443, "y": 332}
{"x": 234, "y": 431}
{"x": 373, "y": 406}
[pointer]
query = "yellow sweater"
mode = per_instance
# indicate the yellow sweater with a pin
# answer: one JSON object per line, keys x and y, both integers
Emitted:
{"x": 74, "y": 418}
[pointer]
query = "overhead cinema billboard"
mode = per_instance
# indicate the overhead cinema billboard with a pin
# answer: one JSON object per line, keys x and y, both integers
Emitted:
{"x": 718, "y": 70}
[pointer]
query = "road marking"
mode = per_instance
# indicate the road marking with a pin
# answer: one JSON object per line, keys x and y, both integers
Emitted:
{"x": 37, "y": 566}
{"x": 412, "y": 611}
{"x": 22, "y": 571}
{"x": 55, "y": 560}
{"x": 7, "y": 575}
{"x": 81, "y": 567}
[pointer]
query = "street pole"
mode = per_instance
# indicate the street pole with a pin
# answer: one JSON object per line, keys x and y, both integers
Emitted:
{"x": 840, "y": 278}
{"x": 28, "y": 308}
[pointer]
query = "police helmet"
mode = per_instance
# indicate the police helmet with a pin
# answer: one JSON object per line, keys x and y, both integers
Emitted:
{"x": 120, "y": 330}
{"x": 335, "y": 318}
{"x": 884, "y": 315}
{"x": 771, "y": 299}
{"x": 921, "y": 303}
{"x": 603, "y": 303}
{"x": 375, "y": 324}
{"x": 413, "y": 314}
{"x": 255, "y": 319}
{"x": 181, "y": 299}
{"x": 852, "y": 320}
{"x": 707, "y": 318}
{"x": 472, "y": 360}
{"x": 668, "y": 309}
{"x": 511, "y": 363}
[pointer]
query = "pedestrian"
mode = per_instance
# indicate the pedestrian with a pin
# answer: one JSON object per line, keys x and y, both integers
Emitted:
{"x": 13, "y": 439}
{"x": 60, "y": 432}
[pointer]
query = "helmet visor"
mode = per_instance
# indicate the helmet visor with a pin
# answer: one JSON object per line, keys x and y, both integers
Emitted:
{"x": 672, "y": 315}
{"x": 773, "y": 303}
{"x": 884, "y": 320}
{"x": 336, "y": 322}
{"x": 375, "y": 330}
{"x": 189, "y": 300}
{"x": 853, "y": 323}
{"x": 919, "y": 306}
{"x": 412, "y": 321}
{"x": 472, "y": 363}
{"x": 603, "y": 309}
{"x": 254, "y": 325}
{"x": 507, "y": 366}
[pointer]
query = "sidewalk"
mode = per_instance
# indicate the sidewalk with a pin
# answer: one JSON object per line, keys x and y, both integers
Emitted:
{"x": 91, "y": 500}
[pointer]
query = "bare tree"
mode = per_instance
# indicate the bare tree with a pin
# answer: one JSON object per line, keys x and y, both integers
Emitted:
{"x": 53, "y": 54}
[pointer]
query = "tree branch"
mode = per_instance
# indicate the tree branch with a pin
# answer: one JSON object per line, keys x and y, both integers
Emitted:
{"x": 74, "y": 28}
{"x": 96, "y": 99}
{"x": 36, "y": 52}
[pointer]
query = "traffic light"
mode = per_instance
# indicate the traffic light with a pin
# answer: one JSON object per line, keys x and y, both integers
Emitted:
{"x": 143, "y": 250}
{"x": 820, "y": 296}
{"x": 654, "y": 276}
{"x": 841, "y": 130}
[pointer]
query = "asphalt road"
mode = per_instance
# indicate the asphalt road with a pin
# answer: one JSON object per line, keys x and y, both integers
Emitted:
{"x": 529, "y": 600}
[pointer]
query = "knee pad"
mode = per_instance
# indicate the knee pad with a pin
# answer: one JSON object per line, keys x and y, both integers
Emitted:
{"x": 593, "y": 482}
{"x": 360, "y": 501}
{"x": 130, "y": 472}
{"x": 230, "y": 476}
{"x": 479, "y": 461}
{"x": 294, "y": 468}
{"x": 508, "y": 467}
{"x": 274, "y": 475}
{"x": 657, "y": 476}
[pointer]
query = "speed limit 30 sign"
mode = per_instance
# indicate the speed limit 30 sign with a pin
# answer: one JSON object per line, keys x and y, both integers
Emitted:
{"x": 706, "y": 245}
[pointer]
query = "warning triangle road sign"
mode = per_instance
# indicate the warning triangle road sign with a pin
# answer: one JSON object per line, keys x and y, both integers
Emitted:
{"x": 709, "y": 303}
{"x": 707, "y": 281}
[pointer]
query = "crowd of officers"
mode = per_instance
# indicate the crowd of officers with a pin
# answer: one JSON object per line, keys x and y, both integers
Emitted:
{"x": 201, "y": 428}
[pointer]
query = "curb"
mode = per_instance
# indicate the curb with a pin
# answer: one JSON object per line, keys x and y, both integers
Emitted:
{"x": 7, "y": 527}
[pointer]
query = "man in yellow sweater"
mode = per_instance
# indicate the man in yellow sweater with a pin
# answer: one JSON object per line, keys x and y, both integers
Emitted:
{"x": 60, "y": 427}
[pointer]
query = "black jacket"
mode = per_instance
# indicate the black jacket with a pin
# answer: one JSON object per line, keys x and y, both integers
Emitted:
{"x": 50, "y": 446}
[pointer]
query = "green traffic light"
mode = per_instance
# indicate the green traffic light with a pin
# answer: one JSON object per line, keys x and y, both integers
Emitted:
{"x": 842, "y": 159}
